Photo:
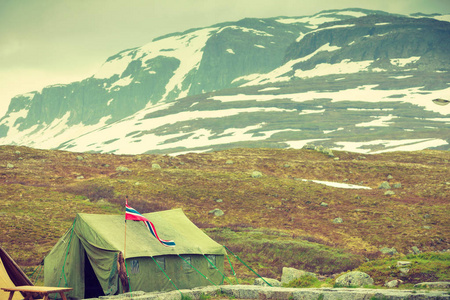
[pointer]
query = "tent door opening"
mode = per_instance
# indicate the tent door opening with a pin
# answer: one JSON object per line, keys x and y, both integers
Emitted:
{"x": 92, "y": 287}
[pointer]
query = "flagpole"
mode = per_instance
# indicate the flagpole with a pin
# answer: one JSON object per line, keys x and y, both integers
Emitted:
{"x": 125, "y": 239}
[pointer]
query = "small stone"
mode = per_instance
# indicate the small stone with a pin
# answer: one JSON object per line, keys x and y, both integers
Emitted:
{"x": 324, "y": 204}
{"x": 426, "y": 227}
{"x": 397, "y": 185}
{"x": 287, "y": 165}
{"x": 393, "y": 283}
{"x": 156, "y": 167}
{"x": 122, "y": 169}
{"x": 404, "y": 271}
{"x": 385, "y": 185}
{"x": 229, "y": 162}
{"x": 389, "y": 251}
{"x": 415, "y": 250}
{"x": 80, "y": 177}
{"x": 403, "y": 263}
{"x": 219, "y": 200}
{"x": 216, "y": 212}
{"x": 17, "y": 152}
{"x": 390, "y": 177}
{"x": 338, "y": 221}
{"x": 10, "y": 166}
{"x": 79, "y": 157}
{"x": 256, "y": 174}
{"x": 336, "y": 158}
{"x": 389, "y": 193}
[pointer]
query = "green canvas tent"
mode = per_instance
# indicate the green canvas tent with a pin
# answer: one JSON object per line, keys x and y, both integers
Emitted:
{"x": 86, "y": 257}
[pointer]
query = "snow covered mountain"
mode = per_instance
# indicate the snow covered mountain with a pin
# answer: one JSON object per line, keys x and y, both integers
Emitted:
{"x": 357, "y": 80}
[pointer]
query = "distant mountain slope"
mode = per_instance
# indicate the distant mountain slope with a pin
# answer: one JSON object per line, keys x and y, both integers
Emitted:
{"x": 353, "y": 79}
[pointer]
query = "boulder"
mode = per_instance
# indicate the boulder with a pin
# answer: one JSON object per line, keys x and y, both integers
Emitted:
{"x": 355, "y": 278}
{"x": 271, "y": 281}
{"x": 10, "y": 166}
{"x": 290, "y": 274}
{"x": 156, "y": 167}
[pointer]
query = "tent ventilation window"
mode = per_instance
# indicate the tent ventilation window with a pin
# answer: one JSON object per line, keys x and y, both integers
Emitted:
{"x": 134, "y": 266}
{"x": 187, "y": 263}
{"x": 161, "y": 262}
{"x": 212, "y": 258}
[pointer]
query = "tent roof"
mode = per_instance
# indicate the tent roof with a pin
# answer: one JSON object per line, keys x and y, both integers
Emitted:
{"x": 108, "y": 232}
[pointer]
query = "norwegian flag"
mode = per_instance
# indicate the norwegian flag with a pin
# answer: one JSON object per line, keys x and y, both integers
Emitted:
{"x": 134, "y": 215}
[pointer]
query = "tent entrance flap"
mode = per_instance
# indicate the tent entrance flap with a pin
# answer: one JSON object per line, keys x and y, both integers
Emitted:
{"x": 92, "y": 287}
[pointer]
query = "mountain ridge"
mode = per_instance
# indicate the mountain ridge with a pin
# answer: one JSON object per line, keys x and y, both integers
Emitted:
{"x": 282, "y": 54}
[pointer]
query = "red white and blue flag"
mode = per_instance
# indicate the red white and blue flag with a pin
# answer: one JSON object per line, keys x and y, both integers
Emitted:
{"x": 134, "y": 215}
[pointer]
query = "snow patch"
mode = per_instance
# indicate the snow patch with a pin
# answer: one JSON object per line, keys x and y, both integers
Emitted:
{"x": 382, "y": 121}
{"x": 402, "y": 62}
{"x": 277, "y": 74}
{"x": 311, "y": 111}
{"x": 230, "y": 51}
{"x": 269, "y": 89}
{"x": 344, "y": 67}
{"x": 245, "y": 29}
{"x": 121, "y": 82}
{"x": 390, "y": 145}
{"x": 340, "y": 185}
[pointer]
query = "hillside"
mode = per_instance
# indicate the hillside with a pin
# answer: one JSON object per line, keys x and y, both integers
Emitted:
{"x": 276, "y": 220}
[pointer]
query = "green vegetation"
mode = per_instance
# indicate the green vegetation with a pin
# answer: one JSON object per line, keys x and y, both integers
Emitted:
{"x": 305, "y": 281}
{"x": 424, "y": 267}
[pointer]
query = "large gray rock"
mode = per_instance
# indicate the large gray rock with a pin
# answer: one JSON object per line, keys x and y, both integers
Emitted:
{"x": 290, "y": 274}
{"x": 355, "y": 278}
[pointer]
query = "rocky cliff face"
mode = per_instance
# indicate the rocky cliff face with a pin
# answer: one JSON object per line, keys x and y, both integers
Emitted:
{"x": 174, "y": 87}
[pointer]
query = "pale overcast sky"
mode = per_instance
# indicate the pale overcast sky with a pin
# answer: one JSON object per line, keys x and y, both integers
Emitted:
{"x": 45, "y": 42}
